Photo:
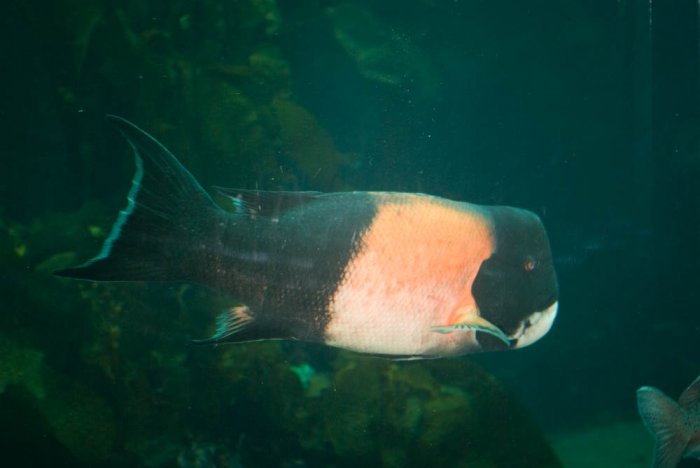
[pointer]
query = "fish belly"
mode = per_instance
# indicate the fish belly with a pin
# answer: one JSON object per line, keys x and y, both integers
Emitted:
{"x": 369, "y": 320}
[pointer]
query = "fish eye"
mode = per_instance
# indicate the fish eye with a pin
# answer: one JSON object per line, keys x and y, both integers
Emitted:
{"x": 529, "y": 264}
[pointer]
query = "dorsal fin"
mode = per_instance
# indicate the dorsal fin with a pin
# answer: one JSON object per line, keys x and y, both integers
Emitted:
{"x": 266, "y": 203}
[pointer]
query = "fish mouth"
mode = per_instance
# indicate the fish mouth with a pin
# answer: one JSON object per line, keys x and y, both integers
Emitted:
{"x": 529, "y": 331}
{"x": 534, "y": 327}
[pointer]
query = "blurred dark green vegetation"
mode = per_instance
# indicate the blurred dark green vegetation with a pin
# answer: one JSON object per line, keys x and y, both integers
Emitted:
{"x": 107, "y": 378}
{"x": 100, "y": 374}
{"x": 540, "y": 104}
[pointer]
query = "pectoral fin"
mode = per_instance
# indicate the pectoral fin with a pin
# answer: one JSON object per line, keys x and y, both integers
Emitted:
{"x": 472, "y": 321}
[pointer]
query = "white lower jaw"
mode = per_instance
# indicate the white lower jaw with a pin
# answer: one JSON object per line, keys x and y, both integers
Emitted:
{"x": 540, "y": 323}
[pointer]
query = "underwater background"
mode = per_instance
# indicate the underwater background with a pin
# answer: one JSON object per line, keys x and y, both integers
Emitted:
{"x": 585, "y": 112}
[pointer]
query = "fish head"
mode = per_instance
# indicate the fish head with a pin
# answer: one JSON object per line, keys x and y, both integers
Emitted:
{"x": 516, "y": 288}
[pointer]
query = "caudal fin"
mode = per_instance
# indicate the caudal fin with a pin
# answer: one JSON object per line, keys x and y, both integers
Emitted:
{"x": 663, "y": 417}
{"x": 164, "y": 203}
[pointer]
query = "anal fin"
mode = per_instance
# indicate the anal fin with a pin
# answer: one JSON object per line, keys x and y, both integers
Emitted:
{"x": 228, "y": 323}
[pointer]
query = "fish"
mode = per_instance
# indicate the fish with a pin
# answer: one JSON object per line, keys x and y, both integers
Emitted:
{"x": 398, "y": 275}
{"x": 675, "y": 426}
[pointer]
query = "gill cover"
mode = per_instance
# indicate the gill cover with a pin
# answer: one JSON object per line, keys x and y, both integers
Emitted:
{"x": 517, "y": 282}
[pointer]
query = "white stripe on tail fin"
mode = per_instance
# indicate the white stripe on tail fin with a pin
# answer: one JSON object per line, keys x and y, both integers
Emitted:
{"x": 165, "y": 206}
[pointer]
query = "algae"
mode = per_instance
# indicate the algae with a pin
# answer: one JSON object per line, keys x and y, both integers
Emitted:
{"x": 80, "y": 419}
{"x": 382, "y": 52}
{"x": 21, "y": 366}
{"x": 108, "y": 366}
{"x": 120, "y": 379}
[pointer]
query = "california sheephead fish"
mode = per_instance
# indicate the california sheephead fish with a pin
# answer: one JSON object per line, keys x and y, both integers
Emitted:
{"x": 675, "y": 426}
{"x": 400, "y": 275}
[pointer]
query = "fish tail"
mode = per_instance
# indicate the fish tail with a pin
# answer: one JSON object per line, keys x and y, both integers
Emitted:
{"x": 664, "y": 418}
{"x": 165, "y": 202}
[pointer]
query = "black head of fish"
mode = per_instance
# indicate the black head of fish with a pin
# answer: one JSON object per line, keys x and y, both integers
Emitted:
{"x": 516, "y": 288}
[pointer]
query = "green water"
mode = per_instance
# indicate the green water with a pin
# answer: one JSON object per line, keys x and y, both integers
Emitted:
{"x": 584, "y": 112}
